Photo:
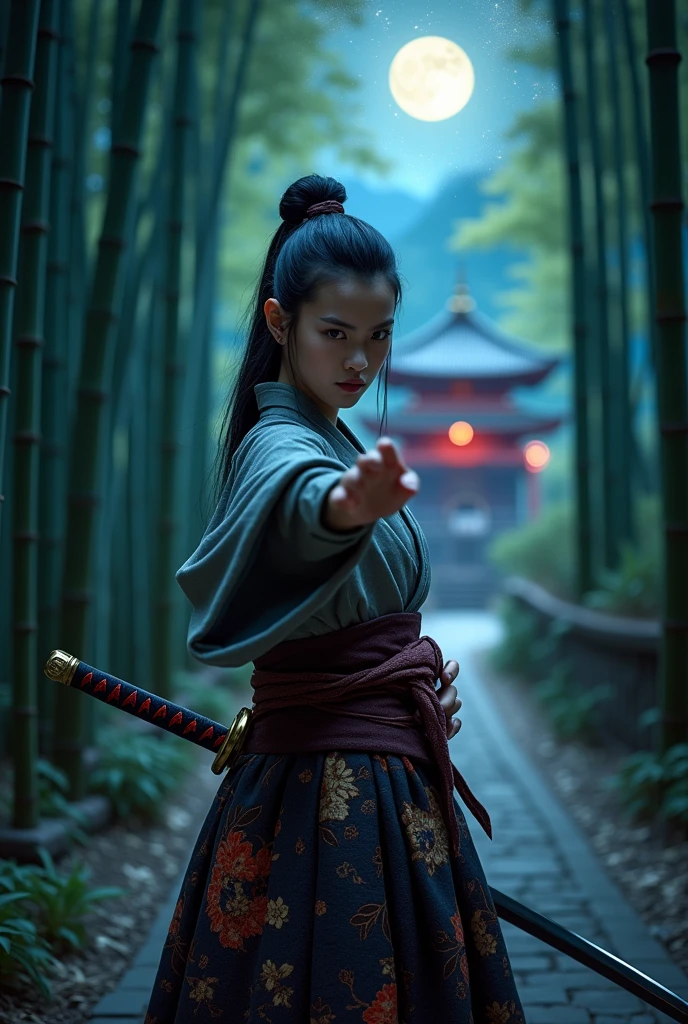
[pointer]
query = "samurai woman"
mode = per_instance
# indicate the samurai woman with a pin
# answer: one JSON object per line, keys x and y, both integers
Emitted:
{"x": 334, "y": 879}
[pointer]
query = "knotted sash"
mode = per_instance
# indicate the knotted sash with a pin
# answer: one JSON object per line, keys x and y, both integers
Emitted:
{"x": 378, "y": 693}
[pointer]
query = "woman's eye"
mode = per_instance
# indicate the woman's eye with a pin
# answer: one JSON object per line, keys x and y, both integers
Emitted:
{"x": 385, "y": 334}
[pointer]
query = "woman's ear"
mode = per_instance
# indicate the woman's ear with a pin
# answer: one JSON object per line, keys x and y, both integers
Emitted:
{"x": 276, "y": 320}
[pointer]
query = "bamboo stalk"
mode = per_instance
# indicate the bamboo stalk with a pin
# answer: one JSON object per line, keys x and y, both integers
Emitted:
{"x": 77, "y": 243}
{"x": 4, "y": 25}
{"x": 207, "y": 240}
{"x": 176, "y": 346}
{"x": 142, "y": 267}
{"x": 89, "y": 448}
{"x": 621, "y": 465}
{"x": 601, "y": 349}
{"x": 139, "y": 622}
{"x": 28, "y": 330}
{"x": 123, "y": 26}
{"x": 53, "y": 489}
{"x": 15, "y": 105}
{"x": 667, "y": 206}
{"x": 584, "y": 582}
{"x": 642, "y": 165}
{"x": 224, "y": 137}
{"x": 80, "y": 97}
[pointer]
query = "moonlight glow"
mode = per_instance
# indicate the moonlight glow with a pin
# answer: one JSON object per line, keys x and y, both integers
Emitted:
{"x": 431, "y": 78}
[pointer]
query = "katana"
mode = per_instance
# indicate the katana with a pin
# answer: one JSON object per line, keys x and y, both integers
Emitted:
{"x": 225, "y": 743}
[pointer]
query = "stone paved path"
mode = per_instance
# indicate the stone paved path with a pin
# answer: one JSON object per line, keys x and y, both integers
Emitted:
{"x": 538, "y": 855}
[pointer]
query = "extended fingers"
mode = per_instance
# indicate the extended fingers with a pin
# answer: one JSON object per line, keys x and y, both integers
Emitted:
{"x": 386, "y": 458}
{"x": 390, "y": 455}
{"x": 370, "y": 463}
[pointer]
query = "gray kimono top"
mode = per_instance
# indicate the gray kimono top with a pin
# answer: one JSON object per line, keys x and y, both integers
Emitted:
{"x": 267, "y": 569}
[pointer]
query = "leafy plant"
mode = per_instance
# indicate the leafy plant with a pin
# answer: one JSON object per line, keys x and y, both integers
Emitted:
{"x": 63, "y": 901}
{"x": 633, "y": 589}
{"x": 52, "y": 798}
{"x": 541, "y": 551}
{"x": 570, "y": 711}
{"x": 652, "y": 784}
{"x": 137, "y": 771}
{"x": 525, "y": 644}
{"x": 42, "y": 912}
{"x": 514, "y": 653}
{"x": 23, "y": 952}
{"x": 53, "y": 787}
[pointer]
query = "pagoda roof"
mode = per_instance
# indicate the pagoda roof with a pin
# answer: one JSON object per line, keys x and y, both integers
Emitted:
{"x": 460, "y": 343}
{"x": 409, "y": 422}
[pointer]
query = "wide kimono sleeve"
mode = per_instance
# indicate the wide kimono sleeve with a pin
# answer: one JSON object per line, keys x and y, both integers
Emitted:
{"x": 266, "y": 561}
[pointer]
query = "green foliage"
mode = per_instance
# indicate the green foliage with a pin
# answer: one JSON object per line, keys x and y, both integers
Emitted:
{"x": 24, "y": 955}
{"x": 63, "y": 902}
{"x": 528, "y": 210}
{"x": 633, "y": 589}
{"x": 651, "y": 784}
{"x": 541, "y": 551}
{"x": 52, "y": 798}
{"x": 42, "y": 913}
{"x": 571, "y": 711}
{"x": 525, "y": 648}
{"x": 53, "y": 787}
{"x": 531, "y": 186}
{"x": 518, "y": 649}
{"x": 137, "y": 771}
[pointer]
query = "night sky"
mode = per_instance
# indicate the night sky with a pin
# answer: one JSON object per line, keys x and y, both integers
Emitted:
{"x": 426, "y": 153}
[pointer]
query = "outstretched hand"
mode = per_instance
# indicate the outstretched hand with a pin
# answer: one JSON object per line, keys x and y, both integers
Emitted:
{"x": 378, "y": 485}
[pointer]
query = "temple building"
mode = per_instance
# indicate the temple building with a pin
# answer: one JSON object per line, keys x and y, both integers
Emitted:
{"x": 478, "y": 455}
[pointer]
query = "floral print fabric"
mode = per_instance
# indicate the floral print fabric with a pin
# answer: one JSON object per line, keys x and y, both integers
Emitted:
{"x": 322, "y": 890}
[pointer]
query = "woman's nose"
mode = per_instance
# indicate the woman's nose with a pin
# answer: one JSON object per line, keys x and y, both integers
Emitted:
{"x": 356, "y": 361}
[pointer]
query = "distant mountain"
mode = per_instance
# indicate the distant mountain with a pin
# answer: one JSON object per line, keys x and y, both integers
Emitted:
{"x": 391, "y": 211}
{"x": 431, "y": 270}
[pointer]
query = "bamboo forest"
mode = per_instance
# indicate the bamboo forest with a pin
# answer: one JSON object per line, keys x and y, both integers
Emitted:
{"x": 512, "y": 177}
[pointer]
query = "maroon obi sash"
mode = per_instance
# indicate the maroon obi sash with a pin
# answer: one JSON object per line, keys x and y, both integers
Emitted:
{"x": 378, "y": 694}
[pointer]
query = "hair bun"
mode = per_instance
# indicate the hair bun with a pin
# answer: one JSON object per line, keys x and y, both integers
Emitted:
{"x": 306, "y": 192}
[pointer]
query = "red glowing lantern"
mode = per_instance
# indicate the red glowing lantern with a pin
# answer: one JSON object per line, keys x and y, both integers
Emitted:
{"x": 536, "y": 455}
{"x": 461, "y": 433}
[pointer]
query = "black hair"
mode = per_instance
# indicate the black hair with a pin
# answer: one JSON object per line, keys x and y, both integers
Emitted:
{"x": 301, "y": 257}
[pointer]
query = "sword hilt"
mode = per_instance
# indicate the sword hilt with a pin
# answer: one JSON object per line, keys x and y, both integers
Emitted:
{"x": 225, "y": 743}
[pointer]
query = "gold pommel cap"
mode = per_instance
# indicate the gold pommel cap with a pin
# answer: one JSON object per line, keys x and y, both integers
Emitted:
{"x": 61, "y": 667}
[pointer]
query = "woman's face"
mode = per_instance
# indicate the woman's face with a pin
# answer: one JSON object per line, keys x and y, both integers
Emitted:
{"x": 343, "y": 334}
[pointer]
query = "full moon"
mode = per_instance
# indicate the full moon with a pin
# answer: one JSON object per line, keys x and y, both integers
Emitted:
{"x": 431, "y": 78}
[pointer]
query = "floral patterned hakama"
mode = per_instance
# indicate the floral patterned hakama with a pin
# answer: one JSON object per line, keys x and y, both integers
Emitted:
{"x": 322, "y": 890}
